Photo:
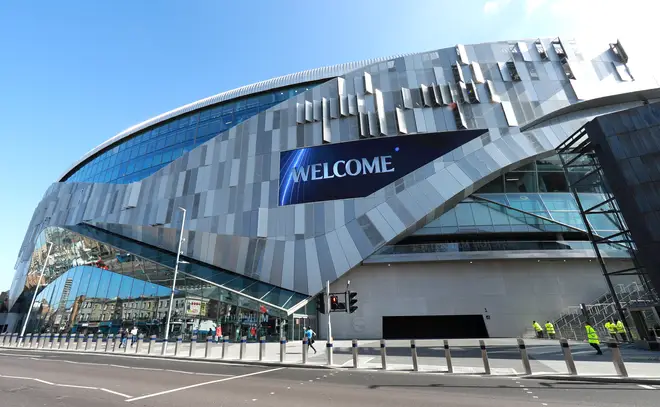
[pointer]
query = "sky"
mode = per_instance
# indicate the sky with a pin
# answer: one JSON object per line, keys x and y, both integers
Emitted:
{"x": 75, "y": 73}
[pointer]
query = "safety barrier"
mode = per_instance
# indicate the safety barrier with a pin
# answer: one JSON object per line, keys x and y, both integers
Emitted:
{"x": 108, "y": 344}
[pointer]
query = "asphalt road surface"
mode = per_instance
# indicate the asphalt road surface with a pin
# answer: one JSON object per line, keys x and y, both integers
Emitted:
{"x": 32, "y": 378}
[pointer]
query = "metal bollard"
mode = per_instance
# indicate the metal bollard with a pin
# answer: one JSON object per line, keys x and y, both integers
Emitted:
{"x": 152, "y": 341}
{"x": 13, "y": 339}
{"x": 242, "y": 348}
{"x": 209, "y": 343}
{"x": 484, "y": 356}
{"x": 79, "y": 339}
{"x": 305, "y": 350}
{"x": 354, "y": 344}
{"x": 450, "y": 365}
{"x": 54, "y": 340}
{"x": 225, "y": 342}
{"x": 193, "y": 345}
{"x": 568, "y": 357}
{"x": 90, "y": 339}
{"x": 383, "y": 354}
{"x": 3, "y": 336}
{"x": 619, "y": 366}
{"x": 179, "y": 341}
{"x": 329, "y": 349}
{"x": 138, "y": 345}
{"x": 413, "y": 352}
{"x": 125, "y": 345}
{"x": 62, "y": 341}
{"x": 110, "y": 340}
{"x": 68, "y": 341}
{"x": 42, "y": 341}
{"x": 163, "y": 349}
{"x": 262, "y": 348}
{"x": 524, "y": 357}
{"x": 28, "y": 339}
{"x": 99, "y": 341}
{"x": 282, "y": 349}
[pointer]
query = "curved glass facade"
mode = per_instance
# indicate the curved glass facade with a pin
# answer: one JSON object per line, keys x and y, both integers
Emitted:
{"x": 92, "y": 286}
{"x": 475, "y": 216}
{"x": 149, "y": 150}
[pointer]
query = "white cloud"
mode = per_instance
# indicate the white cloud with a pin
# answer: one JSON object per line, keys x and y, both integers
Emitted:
{"x": 494, "y": 6}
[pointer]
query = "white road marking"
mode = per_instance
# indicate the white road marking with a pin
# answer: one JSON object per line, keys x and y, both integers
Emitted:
{"x": 525, "y": 389}
{"x": 203, "y": 384}
{"x": 75, "y": 386}
{"x": 647, "y": 387}
{"x": 115, "y": 392}
{"x": 535, "y": 397}
{"x": 529, "y": 392}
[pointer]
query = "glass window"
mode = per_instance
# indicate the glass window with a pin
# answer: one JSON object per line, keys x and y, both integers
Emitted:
{"x": 464, "y": 215}
{"x": 520, "y": 182}
{"x": 481, "y": 214}
{"x": 171, "y": 140}
{"x": 160, "y": 144}
{"x": 552, "y": 163}
{"x": 449, "y": 218}
{"x": 552, "y": 182}
{"x": 559, "y": 202}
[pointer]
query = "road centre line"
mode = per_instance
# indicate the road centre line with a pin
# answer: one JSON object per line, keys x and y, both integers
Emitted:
{"x": 203, "y": 384}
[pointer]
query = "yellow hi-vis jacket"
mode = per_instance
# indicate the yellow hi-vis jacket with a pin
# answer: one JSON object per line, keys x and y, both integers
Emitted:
{"x": 611, "y": 328}
{"x": 592, "y": 336}
{"x": 620, "y": 328}
{"x": 550, "y": 328}
{"x": 537, "y": 327}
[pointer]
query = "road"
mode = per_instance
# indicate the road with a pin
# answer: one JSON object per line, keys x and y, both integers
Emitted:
{"x": 32, "y": 378}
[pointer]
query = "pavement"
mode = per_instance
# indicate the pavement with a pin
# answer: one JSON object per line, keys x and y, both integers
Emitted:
{"x": 546, "y": 357}
{"x": 46, "y": 378}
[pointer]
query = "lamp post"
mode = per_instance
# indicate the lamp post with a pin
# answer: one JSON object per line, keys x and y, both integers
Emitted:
{"x": 36, "y": 288}
{"x": 176, "y": 270}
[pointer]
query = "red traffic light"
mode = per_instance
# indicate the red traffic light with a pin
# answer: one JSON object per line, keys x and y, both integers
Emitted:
{"x": 334, "y": 301}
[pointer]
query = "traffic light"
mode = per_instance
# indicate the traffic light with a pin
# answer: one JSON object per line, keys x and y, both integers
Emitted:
{"x": 334, "y": 302}
{"x": 320, "y": 303}
{"x": 352, "y": 302}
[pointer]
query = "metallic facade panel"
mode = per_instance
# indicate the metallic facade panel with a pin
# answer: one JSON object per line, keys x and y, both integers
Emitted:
{"x": 230, "y": 183}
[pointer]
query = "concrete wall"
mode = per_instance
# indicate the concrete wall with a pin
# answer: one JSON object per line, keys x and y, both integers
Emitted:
{"x": 511, "y": 292}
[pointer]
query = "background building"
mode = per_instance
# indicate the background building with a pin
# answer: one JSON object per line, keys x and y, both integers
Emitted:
{"x": 429, "y": 180}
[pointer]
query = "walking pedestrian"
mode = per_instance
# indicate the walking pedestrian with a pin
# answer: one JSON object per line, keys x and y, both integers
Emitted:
{"x": 310, "y": 338}
{"x": 134, "y": 334}
{"x": 538, "y": 329}
{"x": 550, "y": 329}
{"x": 124, "y": 338}
{"x": 611, "y": 329}
{"x": 592, "y": 338}
{"x": 621, "y": 330}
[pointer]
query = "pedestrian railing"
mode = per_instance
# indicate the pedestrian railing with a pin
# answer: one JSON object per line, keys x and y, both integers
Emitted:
{"x": 297, "y": 353}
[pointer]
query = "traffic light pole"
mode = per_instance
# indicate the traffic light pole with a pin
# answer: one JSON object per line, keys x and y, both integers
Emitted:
{"x": 328, "y": 309}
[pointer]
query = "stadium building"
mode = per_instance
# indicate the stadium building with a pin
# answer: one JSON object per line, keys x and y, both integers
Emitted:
{"x": 429, "y": 180}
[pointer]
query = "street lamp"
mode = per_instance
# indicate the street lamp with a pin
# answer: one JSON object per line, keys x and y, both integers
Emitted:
{"x": 176, "y": 270}
{"x": 36, "y": 288}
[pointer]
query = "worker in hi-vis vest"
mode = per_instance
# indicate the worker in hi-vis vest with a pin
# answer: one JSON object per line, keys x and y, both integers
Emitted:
{"x": 611, "y": 329}
{"x": 621, "y": 330}
{"x": 592, "y": 338}
{"x": 550, "y": 329}
{"x": 538, "y": 329}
